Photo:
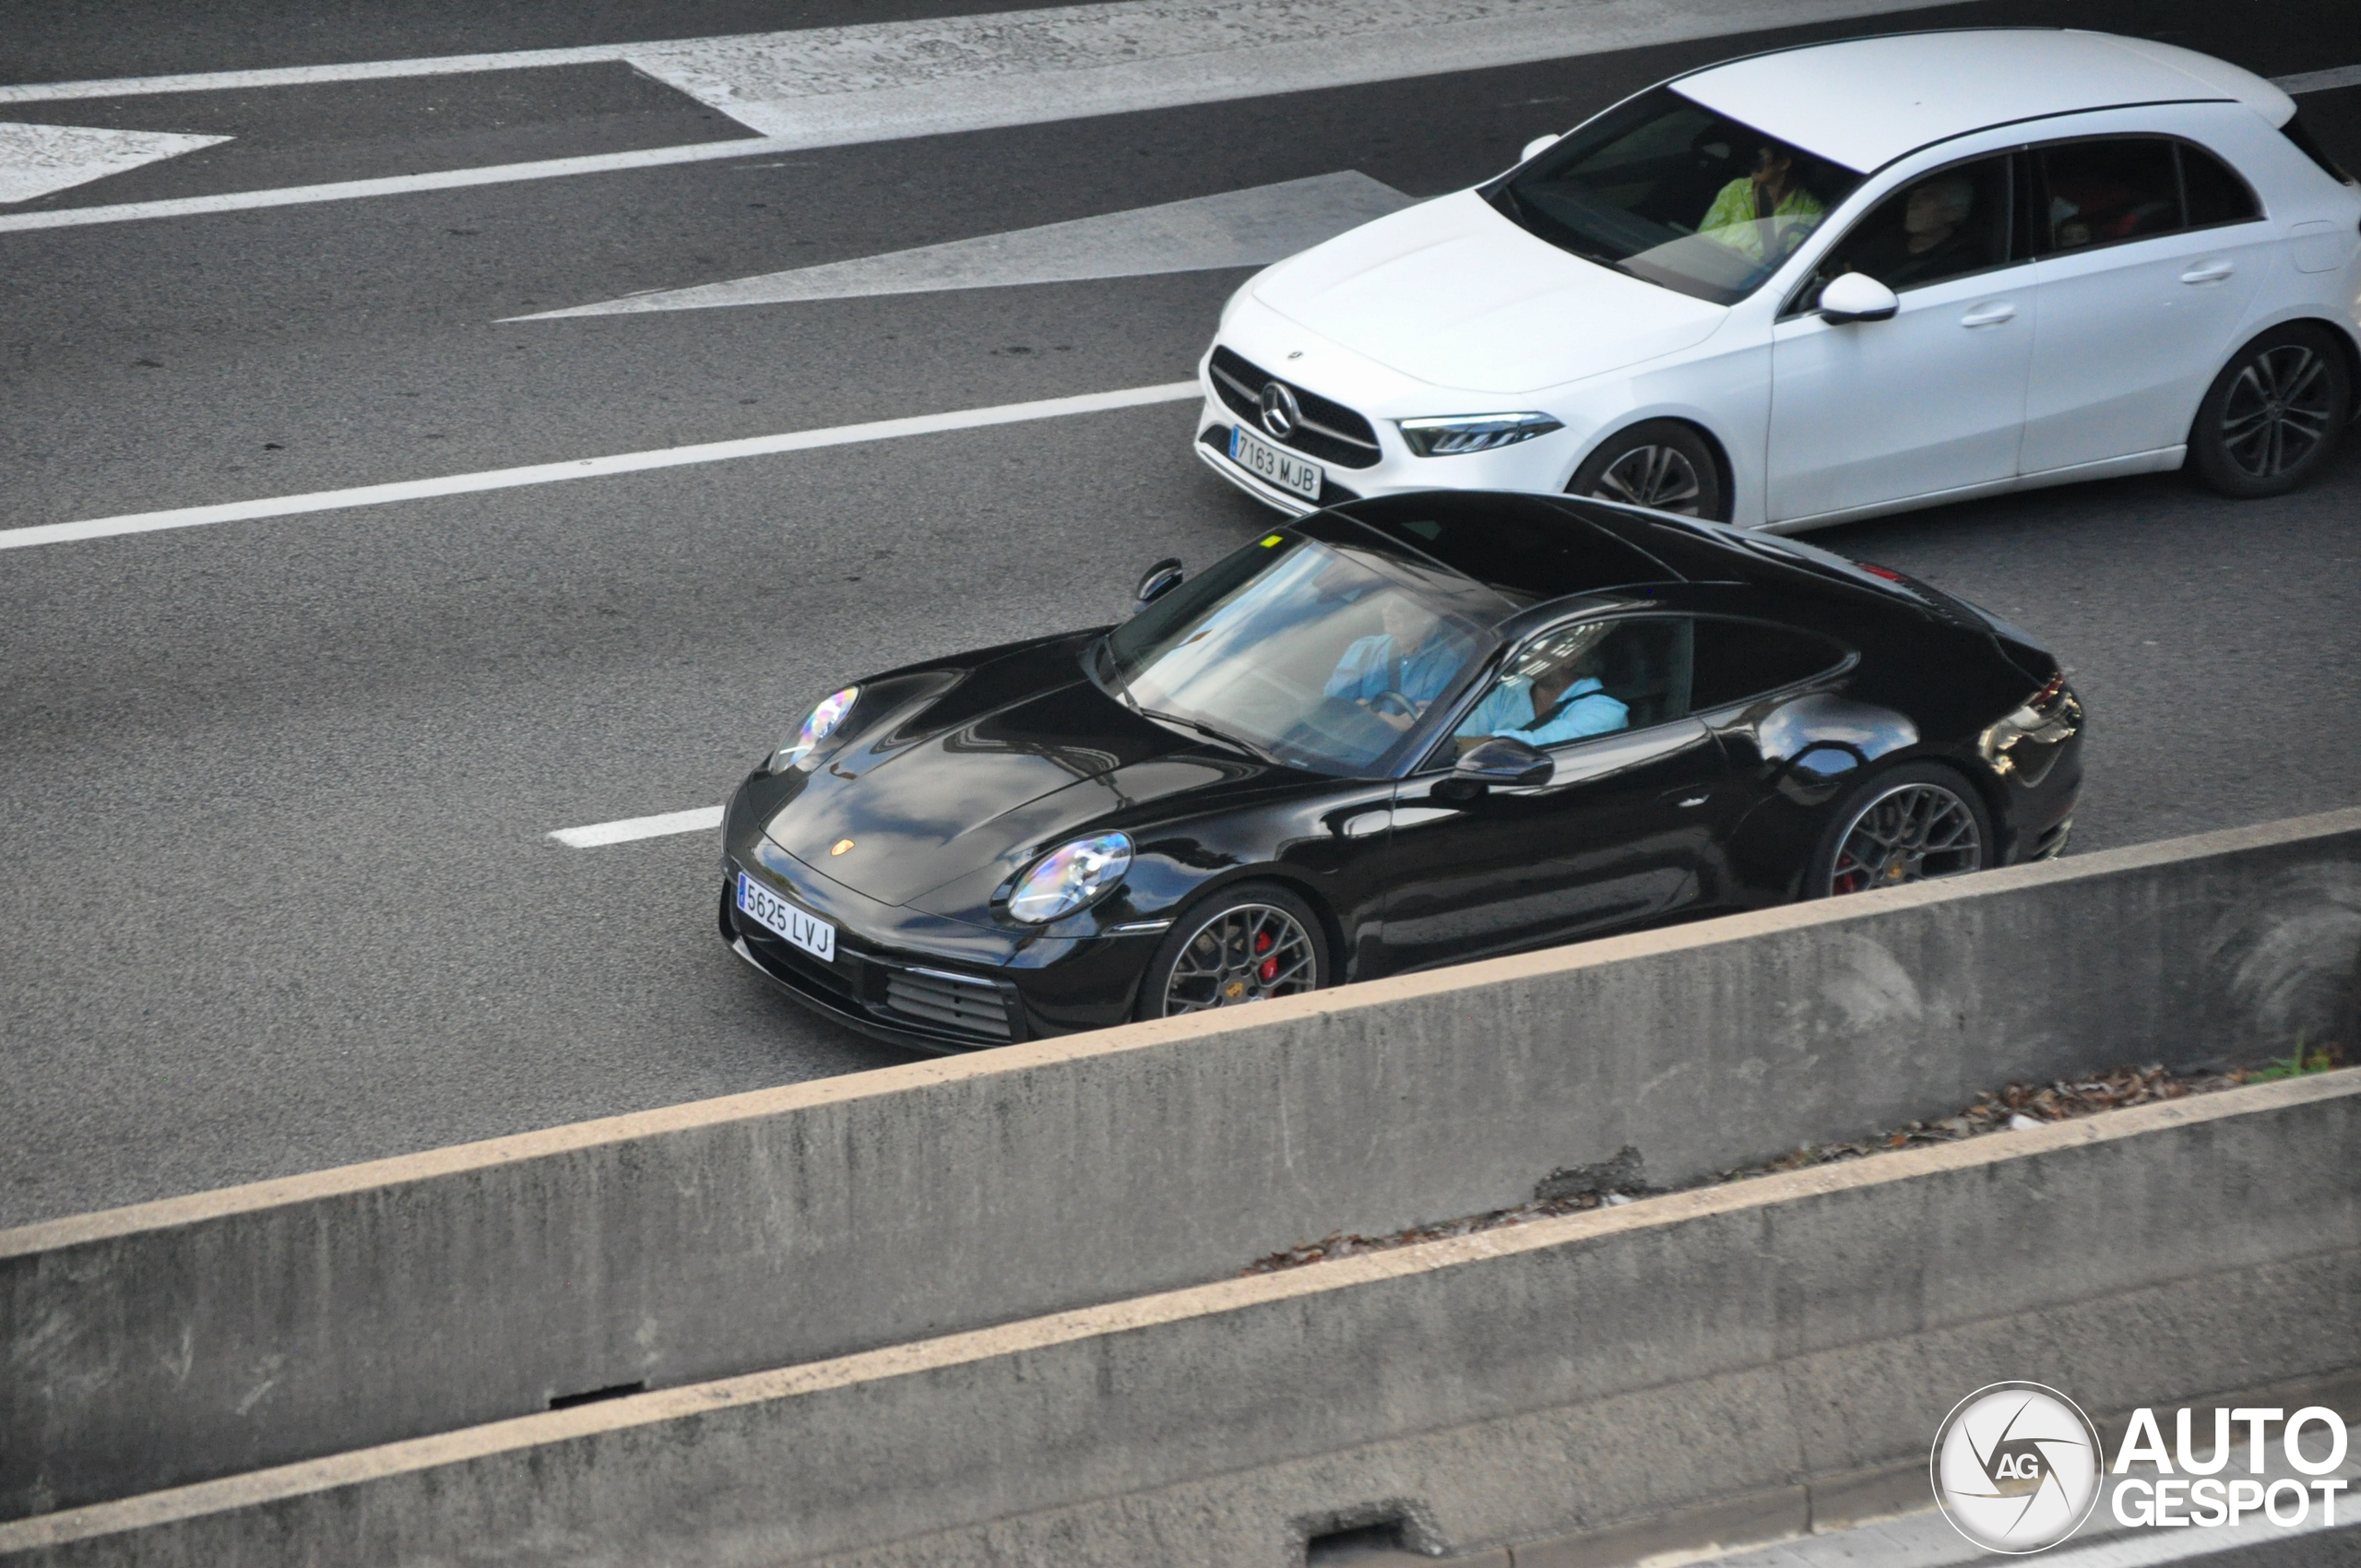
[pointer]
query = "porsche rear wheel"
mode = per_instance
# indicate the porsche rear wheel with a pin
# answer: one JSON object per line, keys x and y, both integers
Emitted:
{"x": 1250, "y": 944}
{"x": 1913, "y": 823}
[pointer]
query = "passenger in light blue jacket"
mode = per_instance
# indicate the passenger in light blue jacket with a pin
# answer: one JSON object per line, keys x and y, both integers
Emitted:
{"x": 1582, "y": 708}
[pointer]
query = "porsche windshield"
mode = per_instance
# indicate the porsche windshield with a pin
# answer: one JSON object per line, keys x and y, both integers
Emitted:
{"x": 1316, "y": 655}
{"x": 1669, "y": 191}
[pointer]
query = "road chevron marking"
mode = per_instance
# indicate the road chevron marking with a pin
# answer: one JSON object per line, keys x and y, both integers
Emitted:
{"x": 704, "y": 819}
{"x": 37, "y": 159}
{"x": 597, "y": 468}
{"x": 884, "y": 81}
{"x": 1232, "y": 229}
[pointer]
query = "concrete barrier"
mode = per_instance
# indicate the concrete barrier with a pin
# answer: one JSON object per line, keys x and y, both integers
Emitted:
{"x": 169, "y": 1343}
{"x": 1741, "y": 1360}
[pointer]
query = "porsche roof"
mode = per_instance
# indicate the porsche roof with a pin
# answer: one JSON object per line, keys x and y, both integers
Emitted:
{"x": 1865, "y": 101}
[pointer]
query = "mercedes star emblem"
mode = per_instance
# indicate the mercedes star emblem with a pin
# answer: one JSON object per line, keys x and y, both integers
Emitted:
{"x": 1281, "y": 413}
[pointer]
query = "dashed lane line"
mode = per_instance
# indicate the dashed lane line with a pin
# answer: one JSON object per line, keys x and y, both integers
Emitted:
{"x": 596, "y": 468}
{"x": 704, "y": 819}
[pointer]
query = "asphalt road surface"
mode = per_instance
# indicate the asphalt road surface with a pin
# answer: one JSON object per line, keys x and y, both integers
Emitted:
{"x": 275, "y": 886}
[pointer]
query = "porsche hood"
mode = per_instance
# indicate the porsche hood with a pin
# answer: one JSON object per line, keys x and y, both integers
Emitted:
{"x": 965, "y": 787}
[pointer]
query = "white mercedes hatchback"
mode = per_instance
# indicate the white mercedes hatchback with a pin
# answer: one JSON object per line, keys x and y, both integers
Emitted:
{"x": 1825, "y": 283}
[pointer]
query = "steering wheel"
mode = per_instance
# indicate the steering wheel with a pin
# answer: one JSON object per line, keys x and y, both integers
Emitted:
{"x": 1395, "y": 700}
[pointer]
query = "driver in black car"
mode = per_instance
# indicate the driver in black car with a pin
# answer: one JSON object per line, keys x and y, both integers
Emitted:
{"x": 1409, "y": 662}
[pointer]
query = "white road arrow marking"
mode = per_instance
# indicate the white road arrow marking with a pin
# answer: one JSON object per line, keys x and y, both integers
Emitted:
{"x": 1248, "y": 228}
{"x": 37, "y": 159}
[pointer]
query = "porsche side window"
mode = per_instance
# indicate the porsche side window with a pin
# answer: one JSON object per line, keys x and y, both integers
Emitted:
{"x": 1737, "y": 659}
{"x": 1939, "y": 226}
{"x": 2215, "y": 194}
{"x": 1593, "y": 679}
{"x": 2105, "y": 191}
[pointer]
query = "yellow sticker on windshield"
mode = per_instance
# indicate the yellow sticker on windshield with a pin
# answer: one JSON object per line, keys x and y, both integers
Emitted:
{"x": 1274, "y": 539}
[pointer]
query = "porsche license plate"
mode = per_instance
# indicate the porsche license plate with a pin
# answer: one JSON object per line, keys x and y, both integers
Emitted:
{"x": 1266, "y": 461}
{"x": 773, "y": 913}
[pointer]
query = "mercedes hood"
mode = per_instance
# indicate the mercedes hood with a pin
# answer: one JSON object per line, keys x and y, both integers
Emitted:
{"x": 1452, "y": 293}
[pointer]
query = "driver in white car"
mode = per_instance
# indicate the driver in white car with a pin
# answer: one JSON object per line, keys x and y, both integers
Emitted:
{"x": 1771, "y": 204}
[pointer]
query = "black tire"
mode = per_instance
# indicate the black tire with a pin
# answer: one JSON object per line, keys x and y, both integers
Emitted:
{"x": 1210, "y": 945}
{"x": 2271, "y": 418}
{"x": 1897, "y": 811}
{"x": 1661, "y": 463}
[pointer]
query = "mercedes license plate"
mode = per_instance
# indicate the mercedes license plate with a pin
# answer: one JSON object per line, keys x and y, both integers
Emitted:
{"x": 773, "y": 913}
{"x": 1266, "y": 461}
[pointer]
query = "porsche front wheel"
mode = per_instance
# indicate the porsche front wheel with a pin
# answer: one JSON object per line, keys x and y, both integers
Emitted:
{"x": 1250, "y": 944}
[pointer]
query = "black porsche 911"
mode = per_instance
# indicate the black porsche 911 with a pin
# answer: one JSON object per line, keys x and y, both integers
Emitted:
{"x": 1406, "y": 731}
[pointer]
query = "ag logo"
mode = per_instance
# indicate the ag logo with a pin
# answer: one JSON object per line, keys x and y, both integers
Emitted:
{"x": 2016, "y": 1468}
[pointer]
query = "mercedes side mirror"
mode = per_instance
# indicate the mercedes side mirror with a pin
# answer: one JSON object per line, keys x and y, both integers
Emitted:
{"x": 1158, "y": 581}
{"x": 1856, "y": 296}
{"x": 1503, "y": 759}
{"x": 1536, "y": 147}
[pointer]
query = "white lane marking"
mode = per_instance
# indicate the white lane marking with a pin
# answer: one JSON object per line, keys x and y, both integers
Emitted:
{"x": 391, "y": 184}
{"x": 37, "y": 159}
{"x": 704, "y": 819}
{"x": 1248, "y": 228}
{"x": 598, "y": 468}
{"x": 305, "y": 76}
{"x": 882, "y": 81}
{"x": 2319, "y": 81}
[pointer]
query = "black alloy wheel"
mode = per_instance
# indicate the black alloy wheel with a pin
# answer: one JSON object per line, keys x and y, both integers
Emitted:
{"x": 1910, "y": 824}
{"x": 1248, "y": 943}
{"x": 1662, "y": 464}
{"x": 2271, "y": 418}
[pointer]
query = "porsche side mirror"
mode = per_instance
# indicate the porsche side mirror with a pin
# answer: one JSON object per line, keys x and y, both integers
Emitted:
{"x": 1503, "y": 759}
{"x": 1856, "y": 296}
{"x": 1536, "y": 147}
{"x": 1158, "y": 581}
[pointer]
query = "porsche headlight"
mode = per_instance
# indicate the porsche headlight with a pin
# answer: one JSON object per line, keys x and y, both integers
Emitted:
{"x": 818, "y": 725}
{"x": 1070, "y": 877}
{"x": 1450, "y": 435}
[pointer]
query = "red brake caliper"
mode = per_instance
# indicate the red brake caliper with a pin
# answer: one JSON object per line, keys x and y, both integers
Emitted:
{"x": 1269, "y": 968}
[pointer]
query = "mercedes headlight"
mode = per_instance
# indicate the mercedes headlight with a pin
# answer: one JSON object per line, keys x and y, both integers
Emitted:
{"x": 818, "y": 725}
{"x": 1070, "y": 877}
{"x": 1452, "y": 434}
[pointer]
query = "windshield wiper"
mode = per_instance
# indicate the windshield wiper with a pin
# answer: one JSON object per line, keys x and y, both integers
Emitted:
{"x": 1210, "y": 733}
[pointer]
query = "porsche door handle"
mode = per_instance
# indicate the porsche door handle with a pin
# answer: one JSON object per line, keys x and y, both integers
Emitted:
{"x": 2208, "y": 272}
{"x": 1991, "y": 315}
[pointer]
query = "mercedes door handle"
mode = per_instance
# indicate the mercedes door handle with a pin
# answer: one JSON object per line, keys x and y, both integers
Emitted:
{"x": 2208, "y": 272}
{"x": 1991, "y": 315}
